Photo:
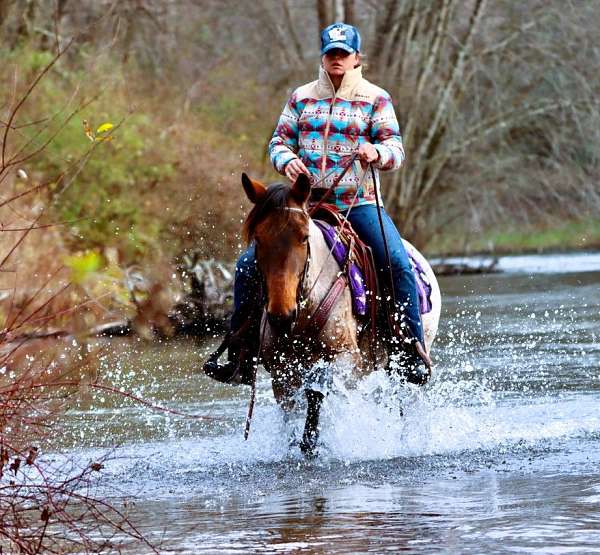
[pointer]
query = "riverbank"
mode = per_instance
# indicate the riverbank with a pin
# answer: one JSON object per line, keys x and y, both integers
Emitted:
{"x": 566, "y": 236}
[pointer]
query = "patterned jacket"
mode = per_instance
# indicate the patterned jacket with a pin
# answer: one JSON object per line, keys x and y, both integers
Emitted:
{"x": 323, "y": 128}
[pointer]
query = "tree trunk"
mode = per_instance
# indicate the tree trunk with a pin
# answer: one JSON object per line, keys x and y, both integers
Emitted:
{"x": 323, "y": 13}
{"x": 349, "y": 12}
{"x": 5, "y": 6}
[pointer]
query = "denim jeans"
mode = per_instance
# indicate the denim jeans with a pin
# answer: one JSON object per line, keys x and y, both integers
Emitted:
{"x": 246, "y": 287}
{"x": 365, "y": 222}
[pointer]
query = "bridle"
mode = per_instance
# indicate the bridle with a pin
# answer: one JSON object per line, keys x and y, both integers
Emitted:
{"x": 301, "y": 298}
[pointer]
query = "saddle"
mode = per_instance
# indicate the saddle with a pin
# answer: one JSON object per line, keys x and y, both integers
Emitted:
{"x": 356, "y": 260}
{"x": 358, "y": 271}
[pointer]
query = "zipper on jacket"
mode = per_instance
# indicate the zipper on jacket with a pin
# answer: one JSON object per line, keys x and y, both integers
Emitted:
{"x": 326, "y": 136}
{"x": 327, "y": 126}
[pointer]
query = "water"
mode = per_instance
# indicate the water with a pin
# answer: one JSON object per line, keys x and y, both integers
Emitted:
{"x": 501, "y": 453}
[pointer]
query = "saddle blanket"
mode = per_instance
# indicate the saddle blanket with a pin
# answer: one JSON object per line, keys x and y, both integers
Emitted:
{"x": 339, "y": 251}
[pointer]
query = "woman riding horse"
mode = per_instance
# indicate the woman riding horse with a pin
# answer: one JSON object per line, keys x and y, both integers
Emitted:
{"x": 322, "y": 125}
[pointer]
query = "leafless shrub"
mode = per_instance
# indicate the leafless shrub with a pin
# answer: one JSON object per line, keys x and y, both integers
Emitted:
{"x": 44, "y": 507}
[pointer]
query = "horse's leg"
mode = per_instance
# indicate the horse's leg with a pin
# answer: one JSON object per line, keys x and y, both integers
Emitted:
{"x": 322, "y": 379}
{"x": 285, "y": 385}
{"x": 311, "y": 427}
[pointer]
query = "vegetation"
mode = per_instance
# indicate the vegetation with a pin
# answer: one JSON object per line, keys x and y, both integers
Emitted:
{"x": 560, "y": 236}
{"x": 487, "y": 147}
{"x": 45, "y": 506}
{"x": 144, "y": 191}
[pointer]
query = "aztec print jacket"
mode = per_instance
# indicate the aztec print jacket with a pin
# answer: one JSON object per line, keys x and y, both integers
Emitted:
{"x": 323, "y": 128}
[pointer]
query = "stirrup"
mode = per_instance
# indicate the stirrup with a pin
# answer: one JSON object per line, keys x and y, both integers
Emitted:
{"x": 417, "y": 375}
{"x": 414, "y": 364}
{"x": 223, "y": 373}
{"x": 236, "y": 371}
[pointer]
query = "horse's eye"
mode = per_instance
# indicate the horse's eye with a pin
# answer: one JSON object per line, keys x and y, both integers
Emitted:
{"x": 305, "y": 239}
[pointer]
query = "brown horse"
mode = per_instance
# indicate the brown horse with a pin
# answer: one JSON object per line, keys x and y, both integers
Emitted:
{"x": 298, "y": 273}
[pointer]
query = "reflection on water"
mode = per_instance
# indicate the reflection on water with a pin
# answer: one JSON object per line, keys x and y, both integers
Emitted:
{"x": 499, "y": 453}
{"x": 478, "y": 514}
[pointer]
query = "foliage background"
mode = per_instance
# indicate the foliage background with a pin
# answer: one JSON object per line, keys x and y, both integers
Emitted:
{"x": 498, "y": 102}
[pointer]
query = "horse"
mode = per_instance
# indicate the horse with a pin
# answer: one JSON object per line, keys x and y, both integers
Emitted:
{"x": 298, "y": 273}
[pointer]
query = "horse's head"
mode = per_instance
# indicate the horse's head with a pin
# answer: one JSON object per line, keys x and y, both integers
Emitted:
{"x": 279, "y": 225}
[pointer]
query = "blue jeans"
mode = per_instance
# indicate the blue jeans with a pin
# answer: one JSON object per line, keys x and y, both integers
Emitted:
{"x": 365, "y": 222}
{"x": 246, "y": 287}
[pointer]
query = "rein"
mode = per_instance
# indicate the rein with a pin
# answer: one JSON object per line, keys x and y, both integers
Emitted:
{"x": 253, "y": 385}
{"x": 334, "y": 184}
{"x": 338, "y": 232}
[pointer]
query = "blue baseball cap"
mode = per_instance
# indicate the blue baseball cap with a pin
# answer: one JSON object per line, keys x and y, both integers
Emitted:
{"x": 342, "y": 36}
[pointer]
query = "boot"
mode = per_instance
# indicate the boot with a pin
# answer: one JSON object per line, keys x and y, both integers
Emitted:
{"x": 414, "y": 364}
{"x": 239, "y": 368}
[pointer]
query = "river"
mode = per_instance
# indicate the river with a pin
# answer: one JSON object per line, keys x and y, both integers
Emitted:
{"x": 500, "y": 453}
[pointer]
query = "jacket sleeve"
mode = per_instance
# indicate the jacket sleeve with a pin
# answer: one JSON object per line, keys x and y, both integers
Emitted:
{"x": 385, "y": 134}
{"x": 283, "y": 146}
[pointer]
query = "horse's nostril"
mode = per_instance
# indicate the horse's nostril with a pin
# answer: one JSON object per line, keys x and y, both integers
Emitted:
{"x": 281, "y": 324}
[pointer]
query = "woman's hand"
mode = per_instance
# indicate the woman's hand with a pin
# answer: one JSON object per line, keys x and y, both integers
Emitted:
{"x": 294, "y": 168}
{"x": 367, "y": 153}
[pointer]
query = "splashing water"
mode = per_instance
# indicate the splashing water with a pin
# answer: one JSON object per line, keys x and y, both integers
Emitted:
{"x": 503, "y": 445}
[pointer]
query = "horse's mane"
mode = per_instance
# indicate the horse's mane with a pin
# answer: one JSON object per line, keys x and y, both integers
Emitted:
{"x": 275, "y": 198}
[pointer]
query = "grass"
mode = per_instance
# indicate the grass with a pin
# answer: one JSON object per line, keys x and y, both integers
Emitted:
{"x": 567, "y": 236}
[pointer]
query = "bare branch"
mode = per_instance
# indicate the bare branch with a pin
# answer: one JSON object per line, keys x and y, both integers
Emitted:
{"x": 23, "y": 99}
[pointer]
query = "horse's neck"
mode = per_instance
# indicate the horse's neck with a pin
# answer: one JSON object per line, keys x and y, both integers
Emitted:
{"x": 322, "y": 268}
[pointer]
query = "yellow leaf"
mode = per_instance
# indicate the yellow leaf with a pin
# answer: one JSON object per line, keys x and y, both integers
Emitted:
{"x": 83, "y": 264}
{"x": 104, "y": 128}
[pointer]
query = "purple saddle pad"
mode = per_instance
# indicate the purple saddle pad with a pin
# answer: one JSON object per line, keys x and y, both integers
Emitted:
{"x": 423, "y": 284}
{"x": 357, "y": 282}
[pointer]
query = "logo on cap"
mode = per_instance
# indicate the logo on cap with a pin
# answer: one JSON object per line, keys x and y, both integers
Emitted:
{"x": 337, "y": 33}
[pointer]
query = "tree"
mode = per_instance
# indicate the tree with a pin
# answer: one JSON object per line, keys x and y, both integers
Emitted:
{"x": 481, "y": 89}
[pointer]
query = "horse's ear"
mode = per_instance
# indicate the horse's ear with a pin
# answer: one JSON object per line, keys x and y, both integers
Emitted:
{"x": 255, "y": 190}
{"x": 301, "y": 189}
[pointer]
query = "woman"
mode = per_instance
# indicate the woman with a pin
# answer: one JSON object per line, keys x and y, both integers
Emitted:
{"x": 322, "y": 125}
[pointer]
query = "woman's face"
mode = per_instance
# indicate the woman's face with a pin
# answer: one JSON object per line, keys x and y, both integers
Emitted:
{"x": 337, "y": 61}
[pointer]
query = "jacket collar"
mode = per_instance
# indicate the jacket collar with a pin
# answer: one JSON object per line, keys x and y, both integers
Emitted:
{"x": 349, "y": 82}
